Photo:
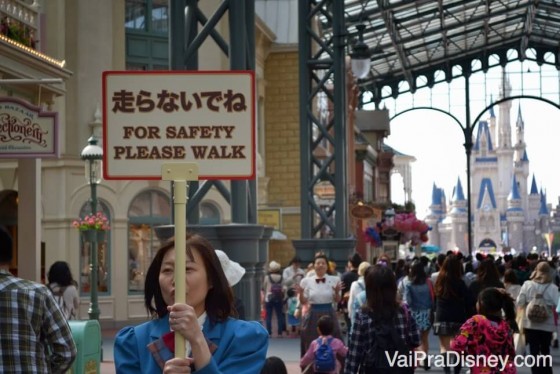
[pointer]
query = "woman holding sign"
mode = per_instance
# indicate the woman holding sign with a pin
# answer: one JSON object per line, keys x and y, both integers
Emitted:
{"x": 218, "y": 342}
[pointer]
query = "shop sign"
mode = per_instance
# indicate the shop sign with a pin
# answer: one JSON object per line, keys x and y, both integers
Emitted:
{"x": 156, "y": 117}
{"x": 270, "y": 217}
{"x": 362, "y": 211}
{"x": 26, "y": 131}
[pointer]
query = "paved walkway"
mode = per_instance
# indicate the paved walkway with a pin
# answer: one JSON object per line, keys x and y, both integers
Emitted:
{"x": 288, "y": 350}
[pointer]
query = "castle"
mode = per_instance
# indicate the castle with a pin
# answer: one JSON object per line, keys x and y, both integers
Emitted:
{"x": 507, "y": 213}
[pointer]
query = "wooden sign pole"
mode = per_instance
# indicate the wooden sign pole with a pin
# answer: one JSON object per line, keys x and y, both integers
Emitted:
{"x": 180, "y": 173}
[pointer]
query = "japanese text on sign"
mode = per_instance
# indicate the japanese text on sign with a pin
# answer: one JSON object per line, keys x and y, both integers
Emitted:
{"x": 145, "y": 101}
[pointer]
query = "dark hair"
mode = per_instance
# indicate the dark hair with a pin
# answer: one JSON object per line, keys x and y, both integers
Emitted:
{"x": 274, "y": 365}
{"x": 487, "y": 274}
{"x": 323, "y": 256}
{"x": 291, "y": 292}
{"x": 60, "y": 273}
{"x": 6, "y": 245}
{"x": 325, "y": 325}
{"x": 219, "y": 300}
{"x": 417, "y": 273}
{"x": 440, "y": 259}
{"x": 510, "y": 277}
{"x": 533, "y": 256}
{"x": 295, "y": 260}
{"x": 450, "y": 273}
{"x": 381, "y": 292}
{"x": 355, "y": 259}
{"x": 491, "y": 302}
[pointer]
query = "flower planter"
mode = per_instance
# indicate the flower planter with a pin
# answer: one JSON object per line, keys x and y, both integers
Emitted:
{"x": 94, "y": 235}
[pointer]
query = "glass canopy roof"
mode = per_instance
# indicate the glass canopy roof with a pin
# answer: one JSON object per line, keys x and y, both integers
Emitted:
{"x": 441, "y": 40}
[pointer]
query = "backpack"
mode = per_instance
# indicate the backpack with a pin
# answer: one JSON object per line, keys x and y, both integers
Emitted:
{"x": 276, "y": 290}
{"x": 325, "y": 360}
{"x": 537, "y": 310}
{"x": 386, "y": 342}
{"x": 59, "y": 298}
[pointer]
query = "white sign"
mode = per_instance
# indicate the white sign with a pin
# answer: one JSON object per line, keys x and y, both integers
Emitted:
{"x": 26, "y": 131}
{"x": 156, "y": 117}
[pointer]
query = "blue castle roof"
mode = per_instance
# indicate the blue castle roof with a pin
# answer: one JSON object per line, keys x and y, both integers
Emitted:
{"x": 534, "y": 190}
{"x": 514, "y": 193}
{"x": 483, "y": 130}
{"x": 486, "y": 186}
{"x": 458, "y": 194}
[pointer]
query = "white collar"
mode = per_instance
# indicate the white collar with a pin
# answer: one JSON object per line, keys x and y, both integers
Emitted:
{"x": 201, "y": 319}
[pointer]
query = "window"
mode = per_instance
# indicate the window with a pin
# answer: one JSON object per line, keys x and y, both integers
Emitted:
{"x": 147, "y": 25}
{"x": 209, "y": 214}
{"x": 103, "y": 257}
{"x": 145, "y": 15}
{"x": 148, "y": 210}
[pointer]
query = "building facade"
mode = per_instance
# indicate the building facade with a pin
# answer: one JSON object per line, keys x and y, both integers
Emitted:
{"x": 74, "y": 42}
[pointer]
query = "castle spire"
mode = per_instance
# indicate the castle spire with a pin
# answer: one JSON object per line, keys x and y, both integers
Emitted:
{"x": 458, "y": 191}
{"x": 514, "y": 193}
{"x": 543, "y": 210}
{"x": 534, "y": 190}
{"x": 492, "y": 115}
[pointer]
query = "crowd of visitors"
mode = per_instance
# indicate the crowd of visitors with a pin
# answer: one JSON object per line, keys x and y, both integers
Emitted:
{"x": 475, "y": 305}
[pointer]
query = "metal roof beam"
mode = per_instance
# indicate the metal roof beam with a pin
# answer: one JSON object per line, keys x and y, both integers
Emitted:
{"x": 527, "y": 28}
{"x": 397, "y": 44}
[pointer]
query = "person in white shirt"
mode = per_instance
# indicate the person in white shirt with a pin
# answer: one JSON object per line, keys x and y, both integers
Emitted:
{"x": 293, "y": 273}
{"x": 321, "y": 292}
{"x": 355, "y": 288}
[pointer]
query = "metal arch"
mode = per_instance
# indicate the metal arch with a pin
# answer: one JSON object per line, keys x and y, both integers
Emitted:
{"x": 511, "y": 98}
{"x": 185, "y": 39}
{"x": 428, "y": 108}
{"x": 468, "y": 133}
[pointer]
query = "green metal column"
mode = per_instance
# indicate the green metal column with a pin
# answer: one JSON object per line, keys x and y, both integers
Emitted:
{"x": 238, "y": 61}
{"x": 323, "y": 85}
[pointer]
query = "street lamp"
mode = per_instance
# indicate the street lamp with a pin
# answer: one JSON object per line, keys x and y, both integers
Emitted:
{"x": 361, "y": 57}
{"x": 92, "y": 154}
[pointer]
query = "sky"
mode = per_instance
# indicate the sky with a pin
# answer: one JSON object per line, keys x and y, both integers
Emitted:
{"x": 436, "y": 140}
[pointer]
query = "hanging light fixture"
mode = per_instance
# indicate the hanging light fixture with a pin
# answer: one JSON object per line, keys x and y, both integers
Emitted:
{"x": 361, "y": 58}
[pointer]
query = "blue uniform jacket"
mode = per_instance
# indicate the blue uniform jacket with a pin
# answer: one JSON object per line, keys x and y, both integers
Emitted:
{"x": 241, "y": 347}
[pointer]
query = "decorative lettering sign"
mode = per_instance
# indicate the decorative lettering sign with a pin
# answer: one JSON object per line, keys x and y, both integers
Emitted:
{"x": 26, "y": 131}
{"x": 156, "y": 117}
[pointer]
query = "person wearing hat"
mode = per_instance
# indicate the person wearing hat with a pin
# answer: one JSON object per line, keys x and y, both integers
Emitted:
{"x": 218, "y": 342}
{"x": 34, "y": 334}
{"x": 274, "y": 291}
{"x": 538, "y": 335}
{"x": 234, "y": 272}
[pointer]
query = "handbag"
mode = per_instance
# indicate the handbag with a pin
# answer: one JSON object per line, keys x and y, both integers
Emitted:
{"x": 433, "y": 297}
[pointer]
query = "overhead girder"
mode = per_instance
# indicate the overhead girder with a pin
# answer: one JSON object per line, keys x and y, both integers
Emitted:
{"x": 407, "y": 37}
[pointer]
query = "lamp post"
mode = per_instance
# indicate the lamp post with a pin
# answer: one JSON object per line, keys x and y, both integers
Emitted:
{"x": 92, "y": 154}
{"x": 361, "y": 56}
